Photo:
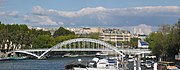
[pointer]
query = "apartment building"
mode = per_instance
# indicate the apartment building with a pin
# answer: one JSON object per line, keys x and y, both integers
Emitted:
{"x": 84, "y": 30}
{"x": 115, "y": 34}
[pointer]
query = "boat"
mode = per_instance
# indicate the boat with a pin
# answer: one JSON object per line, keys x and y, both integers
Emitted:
{"x": 101, "y": 54}
{"x": 73, "y": 55}
{"x": 70, "y": 55}
{"x": 94, "y": 64}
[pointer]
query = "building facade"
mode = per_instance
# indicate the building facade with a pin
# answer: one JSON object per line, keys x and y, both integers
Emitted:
{"x": 114, "y": 34}
{"x": 84, "y": 30}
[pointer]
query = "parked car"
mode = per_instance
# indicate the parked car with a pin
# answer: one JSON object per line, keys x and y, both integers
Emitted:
{"x": 130, "y": 59}
{"x": 142, "y": 63}
{"x": 167, "y": 66}
{"x": 177, "y": 64}
{"x": 149, "y": 64}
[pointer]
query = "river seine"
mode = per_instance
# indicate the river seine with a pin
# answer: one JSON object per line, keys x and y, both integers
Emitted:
{"x": 34, "y": 64}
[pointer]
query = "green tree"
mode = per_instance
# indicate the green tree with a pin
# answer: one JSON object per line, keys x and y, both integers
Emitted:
{"x": 165, "y": 42}
{"x": 64, "y": 38}
{"x": 14, "y": 36}
{"x": 62, "y": 32}
{"x": 174, "y": 44}
{"x": 90, "y": 35}
{"x": 155, "y": 41}
{"x": 134, "y": 42}
{"x": 43, "y": 41}
{"x": 18, "y": 36}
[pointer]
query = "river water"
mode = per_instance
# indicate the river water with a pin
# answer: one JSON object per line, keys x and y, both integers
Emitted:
{"x": 34, "y": 64}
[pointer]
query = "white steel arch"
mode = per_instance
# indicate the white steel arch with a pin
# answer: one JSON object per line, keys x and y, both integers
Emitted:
{"x": 109, "y": 46}
{"x": 25, "y": 52}
{"x": 28, "y": 53}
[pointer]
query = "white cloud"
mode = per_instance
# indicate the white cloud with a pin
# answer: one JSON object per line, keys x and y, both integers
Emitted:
{"x": 100, "y": 16}
{"x": 116, "y": 11}
{"x": 14, "y": 14}
{"x": 159, "y": 9}
{"x": 37, "y": 20}
{"x": 60, "y": 23}
{"x": 38, "y": 10}
{"x": 2, "y": 13}
{"x": 82, "y": 12}
{"x": 10, "y": 17}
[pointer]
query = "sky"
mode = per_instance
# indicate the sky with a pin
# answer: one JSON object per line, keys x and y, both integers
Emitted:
{"x": 93, "y": 13}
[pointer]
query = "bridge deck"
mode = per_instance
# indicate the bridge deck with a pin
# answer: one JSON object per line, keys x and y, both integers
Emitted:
{"x": 90, "y": 49}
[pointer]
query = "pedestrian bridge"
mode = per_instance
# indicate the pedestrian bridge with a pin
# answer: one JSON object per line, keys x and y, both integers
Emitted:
{"x": 82, "y": 44}
{"x": 89, "y": 49}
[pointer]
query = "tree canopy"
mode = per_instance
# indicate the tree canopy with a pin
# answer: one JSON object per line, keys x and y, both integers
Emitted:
{"x": 18, "y": 36}
{"x": 62, "y": 32}
{"x": 165, "y": 42}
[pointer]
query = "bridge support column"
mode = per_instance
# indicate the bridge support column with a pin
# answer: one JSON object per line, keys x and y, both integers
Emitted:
{"x": 74, "y": 44}
{"x": 93, "y": 45}
{"x": 137, "y": 62}
{"x": 69, "y": 45}
{"x": 143, "y": 55}
{"x": 97, "y": 46}
{"x": 88, "y": 45}
{"x": 65, "y": 46}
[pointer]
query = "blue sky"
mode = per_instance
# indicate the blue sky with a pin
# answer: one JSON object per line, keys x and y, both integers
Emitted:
{"x": 74, "y": 5}
{"x": 102, "y": 13}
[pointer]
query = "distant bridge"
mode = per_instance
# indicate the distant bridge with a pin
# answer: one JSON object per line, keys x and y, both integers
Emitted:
{"x": 82, "y": 44}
